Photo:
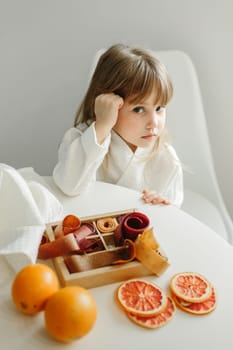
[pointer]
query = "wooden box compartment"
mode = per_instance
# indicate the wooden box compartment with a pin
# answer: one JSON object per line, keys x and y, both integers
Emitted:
{"x": 90, "y": 268}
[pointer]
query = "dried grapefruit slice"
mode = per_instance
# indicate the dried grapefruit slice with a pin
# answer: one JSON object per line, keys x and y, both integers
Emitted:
{"x": 203, "y": 308}
{"x": 158, "y": 320}
{"x": 190, "y": 287}
{"x": 141, "y": 298}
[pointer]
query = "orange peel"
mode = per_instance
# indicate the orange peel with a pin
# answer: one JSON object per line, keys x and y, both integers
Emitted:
{"x": 132, "y": 253}
{"x": 148, "y": 253}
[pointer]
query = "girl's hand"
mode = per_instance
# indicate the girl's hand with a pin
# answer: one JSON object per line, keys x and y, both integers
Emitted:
{"x": 153, "y": 197}
{"x": 106, "y": 111}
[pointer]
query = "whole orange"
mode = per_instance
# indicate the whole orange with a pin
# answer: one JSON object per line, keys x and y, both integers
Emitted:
{"x": 32, "y": 287}
{"x": 70, "y": 313}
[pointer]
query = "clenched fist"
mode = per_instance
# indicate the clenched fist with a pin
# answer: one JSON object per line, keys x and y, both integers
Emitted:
{"x": 106, "y": 111}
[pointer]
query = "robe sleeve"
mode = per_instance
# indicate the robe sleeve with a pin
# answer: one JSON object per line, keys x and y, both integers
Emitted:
{"x": 174, "y": 188}
{"x": 79, "y": 158}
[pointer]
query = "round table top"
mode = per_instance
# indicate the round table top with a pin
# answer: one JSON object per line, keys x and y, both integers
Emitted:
{"x": 189, "y": 245}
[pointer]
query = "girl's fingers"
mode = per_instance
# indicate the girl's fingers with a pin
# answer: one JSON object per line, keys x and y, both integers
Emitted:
{"x": 160, "y": 201}
{"x": 154, "y": 198}
{"x": 149, "y": 194}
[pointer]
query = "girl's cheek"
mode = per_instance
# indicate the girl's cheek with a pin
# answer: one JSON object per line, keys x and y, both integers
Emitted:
{"x": 163, "y": 122}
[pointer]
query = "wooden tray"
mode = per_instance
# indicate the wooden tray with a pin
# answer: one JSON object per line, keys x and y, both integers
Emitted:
{"x": 99, "y": 276}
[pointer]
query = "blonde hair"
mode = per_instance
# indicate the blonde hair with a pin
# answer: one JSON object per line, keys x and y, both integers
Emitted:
{"x": 129, "y": 72}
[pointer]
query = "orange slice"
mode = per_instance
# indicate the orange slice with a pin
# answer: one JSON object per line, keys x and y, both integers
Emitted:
{"x": 190, "y": 287}
{"x": 141, "y": 298}
{"x": 203, "y": 308}
{"x": 68, "y": 225}
{"x": 158, "y": 320}
{"x": 71, "y": 223}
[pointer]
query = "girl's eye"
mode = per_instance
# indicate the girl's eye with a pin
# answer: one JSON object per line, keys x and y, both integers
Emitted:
{"x": 160, "y": 109}
{"x": 138, "y": 109}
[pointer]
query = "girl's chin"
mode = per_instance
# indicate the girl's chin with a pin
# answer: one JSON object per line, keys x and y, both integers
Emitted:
{"x": 147, "y": 142}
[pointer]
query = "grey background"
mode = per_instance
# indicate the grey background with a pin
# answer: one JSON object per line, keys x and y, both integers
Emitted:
{"x": 47, "y": 47}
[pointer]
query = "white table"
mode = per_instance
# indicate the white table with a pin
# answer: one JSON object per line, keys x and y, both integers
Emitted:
{"x": 190, "y": 246}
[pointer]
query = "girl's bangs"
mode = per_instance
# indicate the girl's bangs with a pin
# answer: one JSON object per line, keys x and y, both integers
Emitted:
{"x": 141, "y": 86}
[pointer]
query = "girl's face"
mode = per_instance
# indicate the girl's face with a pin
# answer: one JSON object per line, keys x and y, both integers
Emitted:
{"x": 140, "y": 124}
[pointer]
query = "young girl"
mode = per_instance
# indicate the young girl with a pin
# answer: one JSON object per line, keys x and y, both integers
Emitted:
{"x": 119, "y": 129}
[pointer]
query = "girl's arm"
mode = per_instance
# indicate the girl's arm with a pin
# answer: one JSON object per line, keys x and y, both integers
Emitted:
{"x": 79, "y": 158}
{"x": 82, "y": 152}
{"x": 175, "y": 189}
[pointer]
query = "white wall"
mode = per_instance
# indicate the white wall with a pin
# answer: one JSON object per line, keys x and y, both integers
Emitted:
{"x": 47, "y": 47}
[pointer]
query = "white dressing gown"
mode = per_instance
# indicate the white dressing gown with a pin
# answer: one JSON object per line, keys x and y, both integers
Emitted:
{"x": 81, "y": 161}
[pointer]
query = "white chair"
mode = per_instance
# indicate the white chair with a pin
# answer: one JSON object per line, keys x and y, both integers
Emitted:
{"x": 187, "y": 124}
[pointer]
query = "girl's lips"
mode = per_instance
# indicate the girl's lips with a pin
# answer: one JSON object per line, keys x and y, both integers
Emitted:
{"x": 149, "y": 136}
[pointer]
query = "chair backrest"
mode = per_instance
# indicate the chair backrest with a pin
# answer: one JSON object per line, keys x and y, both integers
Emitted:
{"x": 187, "y": 125}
